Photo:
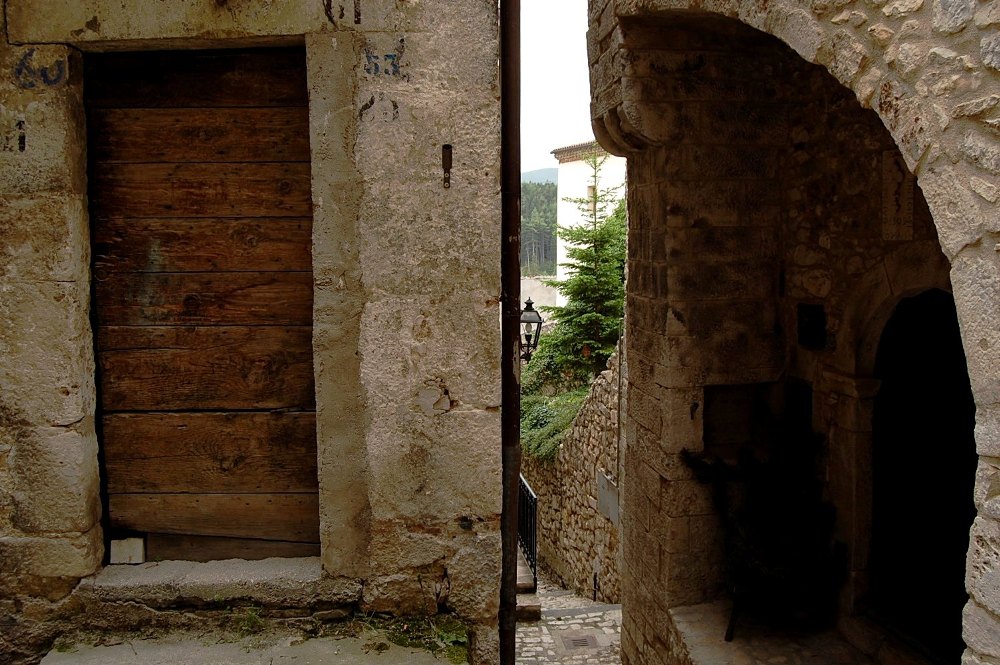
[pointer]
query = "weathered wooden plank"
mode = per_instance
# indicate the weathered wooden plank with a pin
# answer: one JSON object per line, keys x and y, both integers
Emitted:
{"x": 201, "y": 245}
{"x": 204, "y": 298}
{"x": 202, "y": 190}
{"x": 286, "y": 517}
{"x": 239, "y": 452}
{"x": 200, "y": 135}
{"x": 192, "y": 368}
{"x": 166, "y": 547}
{"x": 176, "y": 79}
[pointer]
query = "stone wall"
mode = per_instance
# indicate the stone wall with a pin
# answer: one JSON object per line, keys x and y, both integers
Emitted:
{"x": 759, "y": 183}
{"x": 407, "y": 413}
{"x": 578, "y": 519}
{"x": 538, "y": 291}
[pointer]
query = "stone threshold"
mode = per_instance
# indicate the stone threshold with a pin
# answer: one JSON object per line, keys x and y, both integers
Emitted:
{"x": 276, "y": 583}
{"x": 697, "y": 637}
{"x": 597, "y": 608}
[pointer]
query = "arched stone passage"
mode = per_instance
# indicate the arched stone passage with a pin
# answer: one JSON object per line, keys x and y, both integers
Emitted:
{"x": 923, "y": 468}
{"x": 770, "y": 215}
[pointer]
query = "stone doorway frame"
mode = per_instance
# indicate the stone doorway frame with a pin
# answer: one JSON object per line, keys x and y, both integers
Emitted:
{"x": 386, "y": 384}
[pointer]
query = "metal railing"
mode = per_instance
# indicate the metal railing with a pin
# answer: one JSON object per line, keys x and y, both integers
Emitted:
{"x": 527, "y": 535}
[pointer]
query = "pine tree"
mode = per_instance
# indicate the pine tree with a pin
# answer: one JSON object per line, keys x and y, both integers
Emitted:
{"x": 538, "y": 228}
{"x": 589, "y": 324}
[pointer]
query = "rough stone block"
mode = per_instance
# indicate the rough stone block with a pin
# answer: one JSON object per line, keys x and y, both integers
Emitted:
{"x": 989, "y": 14}
{"x": 672, "y": 533}
{"x": 474, "y": 574}
{"x": 647, "y": 480}
{"x": 683, "y": 414}
{"x": 400, "y": 548}
{"x": 952, "y": 15}
{"x": 41, "y": 114}
{"x": 970, "y": 658}
{"x": 484, "y": 645}
{"x": 956, "y": 210}
{"x": 416, "y": 478}
{"x": 685, "y": 497}
{"x": 981, "y": 630}
{"x": 46, "y": 351}
{"x": 982, "y": 575}
{"x": 688, "y": 578}
{"x": 798, "y": 29}
{"x": 403, "y": 593}
{"x": 975, "y": 276}
{"x": 69, "y": 556}
{"x": 644, "y": 409}
{"x": 987, "y": 492}
{"x": 101, "y": 21}
{"x": 988, "y": 430}
{"x": 982, "y": 149}
{"x": 706, "y": 533}
{"x": 990, "y": 48}
{"x": 57, "y": 483}
{"x": 45, "y": 238}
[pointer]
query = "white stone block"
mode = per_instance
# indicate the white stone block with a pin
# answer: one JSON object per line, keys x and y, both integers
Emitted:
{"x": 128, "y": 550}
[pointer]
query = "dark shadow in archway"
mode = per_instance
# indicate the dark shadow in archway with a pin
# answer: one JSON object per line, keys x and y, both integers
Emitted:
{"x": 923, "y": 467}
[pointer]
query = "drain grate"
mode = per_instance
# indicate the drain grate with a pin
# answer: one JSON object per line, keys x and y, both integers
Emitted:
{"x": 585, "y": 642}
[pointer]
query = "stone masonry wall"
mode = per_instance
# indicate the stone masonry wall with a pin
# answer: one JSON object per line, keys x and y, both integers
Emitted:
{"x": 573, "y": 531}
{"x": 757, "y": 184}
{"x": 930, "y": 70}
{"x": 407, "y": 412}
{"x": 49, "y": 486}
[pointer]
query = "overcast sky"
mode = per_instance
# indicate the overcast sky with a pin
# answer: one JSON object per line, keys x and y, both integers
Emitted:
{"x": 555, "y": 84}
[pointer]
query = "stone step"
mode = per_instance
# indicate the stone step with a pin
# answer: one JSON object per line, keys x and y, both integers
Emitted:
{"x": 278, "y": 583}
{"x": 525, "y": 580}
{"x": 529, "y": 607}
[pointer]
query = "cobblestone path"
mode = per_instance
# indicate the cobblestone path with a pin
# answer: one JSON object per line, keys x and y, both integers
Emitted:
{"x": 572, "y": 630}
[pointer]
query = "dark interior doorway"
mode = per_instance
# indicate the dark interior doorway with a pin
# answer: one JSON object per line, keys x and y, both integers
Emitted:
{"x": 923, "y": 472}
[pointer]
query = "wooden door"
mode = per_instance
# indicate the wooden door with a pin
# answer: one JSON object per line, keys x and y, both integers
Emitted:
{"x": 201, "y": 220}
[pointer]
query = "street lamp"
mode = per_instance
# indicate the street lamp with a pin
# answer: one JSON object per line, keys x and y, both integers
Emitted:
{"x": 531, "y": 325}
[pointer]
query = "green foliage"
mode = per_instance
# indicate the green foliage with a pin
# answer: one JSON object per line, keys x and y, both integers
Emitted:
{"x": 538, "y": 228}
{"x": 588, "y": 326}
{"x": 250, "y": 623}
{"x": 442, "y": 635}
{"x": 545, "y": 420}
{"x": 575, "y": 350}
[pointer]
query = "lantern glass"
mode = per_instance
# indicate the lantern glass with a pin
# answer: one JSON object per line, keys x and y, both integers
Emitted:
{"x": 531, "y": 323}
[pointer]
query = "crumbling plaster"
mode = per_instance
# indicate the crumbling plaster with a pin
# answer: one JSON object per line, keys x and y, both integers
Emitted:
{"x": 407, "y": 408}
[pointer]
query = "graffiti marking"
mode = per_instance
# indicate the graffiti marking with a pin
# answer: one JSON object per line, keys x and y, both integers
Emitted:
{"x": 384, "y": 108}
{"x": 372, "y": 65}
{"x": 18, "y": 140}
{"x": 328, "y": 10}
{"x": 387, "y": 64}
{"x": 28, "y": 76}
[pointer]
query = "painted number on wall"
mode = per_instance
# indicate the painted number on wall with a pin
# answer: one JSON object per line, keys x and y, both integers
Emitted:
{"x": 29, "y": 74}
{"x": 16, "y": 141}
{"x": 332, "y": 16}
{"x": 385, "y": 64}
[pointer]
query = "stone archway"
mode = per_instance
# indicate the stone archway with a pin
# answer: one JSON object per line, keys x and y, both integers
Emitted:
{"x": 742, "y": 169}
{"x": 923, "y": 468}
